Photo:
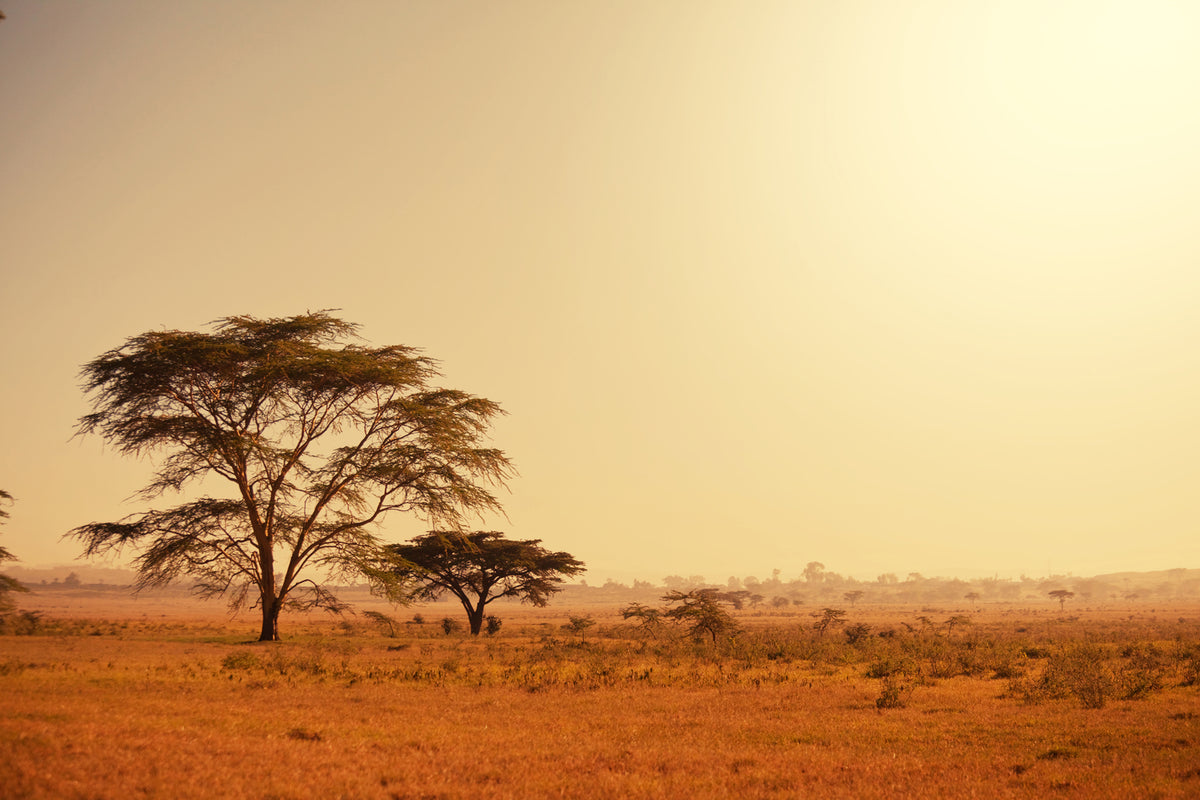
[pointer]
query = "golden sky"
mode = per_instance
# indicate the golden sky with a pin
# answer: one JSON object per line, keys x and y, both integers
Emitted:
{"x": 894, "y": 286}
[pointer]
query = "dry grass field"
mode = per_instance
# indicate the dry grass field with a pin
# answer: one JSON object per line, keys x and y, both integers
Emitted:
{"x": 111, "y": 698}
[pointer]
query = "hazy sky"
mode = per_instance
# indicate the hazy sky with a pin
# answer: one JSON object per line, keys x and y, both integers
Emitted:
{"x": 894, "y": 286}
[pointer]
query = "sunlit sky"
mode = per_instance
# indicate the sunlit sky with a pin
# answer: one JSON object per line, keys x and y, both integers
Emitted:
{"x": 893, "y": 286}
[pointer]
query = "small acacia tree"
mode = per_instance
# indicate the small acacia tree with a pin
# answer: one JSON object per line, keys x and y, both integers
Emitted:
{"x": 479, "y": 567}
{"x": 317, "y": 437}
{"x": 828, "y": 618}
{"x": 7, "y": 585}
{"x": 701, "y": 610}
{"x": 649, "y": 619}
{"x": 1062, "y": 596}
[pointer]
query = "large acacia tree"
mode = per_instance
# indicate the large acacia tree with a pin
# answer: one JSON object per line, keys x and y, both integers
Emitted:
{"x": 317, "y": 438}
{"x": 481, "y": 566}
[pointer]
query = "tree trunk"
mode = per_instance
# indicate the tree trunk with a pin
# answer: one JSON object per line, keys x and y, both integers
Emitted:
{"x": 270, "y": 620}
{"x": 476, "y": 617}
{"x": 267, "y": 596}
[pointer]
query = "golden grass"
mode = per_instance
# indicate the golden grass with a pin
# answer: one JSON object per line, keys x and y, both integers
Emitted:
{"x": 186, "y": 708}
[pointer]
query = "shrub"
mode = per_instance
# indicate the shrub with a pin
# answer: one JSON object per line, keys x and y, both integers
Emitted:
{"x": 493, "y": 625}
{"x": 888, "y": 666}
{"x": 893, "y": 692}
{"x": 857, "y": 633}
{"x": 1079, "y": 671}
{"x": 240, "y": 660}
{"x": 450, "y": 625}
{"x": 386, "y": 623}
{"x": 1190, "y": 657}
{"x": 578, "y": 624}
{"x": 1144, "y": 672}
{"x": 21, "y": 623}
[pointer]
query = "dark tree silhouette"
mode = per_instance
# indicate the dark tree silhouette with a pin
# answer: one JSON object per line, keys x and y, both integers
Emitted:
{"x": 318, "y": 438}
{"x": 702, "y": 612}
{"x": 8, "y": 585}
{"x": 1062, "y": 596}
{"x": 479, "y": 567}
{"x": 828, "y": 618}
{"x": 649, "y": 619}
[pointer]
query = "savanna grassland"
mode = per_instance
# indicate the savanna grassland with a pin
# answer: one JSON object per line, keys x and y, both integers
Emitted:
{"x": 896, "y": 702}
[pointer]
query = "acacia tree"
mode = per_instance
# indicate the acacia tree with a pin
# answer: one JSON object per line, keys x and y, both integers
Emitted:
{"x": 7, "y": 584}
{"x": 317, "y": 436}
{"x": 701, "y": 611}
{"x": 649, "y": 619}
{"x": 479, "y": 567}
{"x": 827, "y": 618}
{"x": 1062, "y": 596}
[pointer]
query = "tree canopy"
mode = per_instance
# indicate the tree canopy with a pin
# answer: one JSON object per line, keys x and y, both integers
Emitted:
{"x": 1062, "y": 596}
{"x": 701, "y": 611}
{"x": 7, "y": 584}
{"x": 481, "y": 566}
{"x": 317, "y": 437}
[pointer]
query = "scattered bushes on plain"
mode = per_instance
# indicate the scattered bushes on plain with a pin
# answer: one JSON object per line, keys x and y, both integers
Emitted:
{"x": 1094, "y": 674}
{"x": 241, "y": 660}
{"x": 20, "y": 623}
{"x": 1093, "y": 666}
{"x": 894, "y": 692}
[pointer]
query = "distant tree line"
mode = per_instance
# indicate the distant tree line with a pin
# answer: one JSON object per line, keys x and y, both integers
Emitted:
{"x": 817, "y": 586}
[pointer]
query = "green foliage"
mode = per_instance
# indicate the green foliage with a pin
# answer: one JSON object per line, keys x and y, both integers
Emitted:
{"x": 480, "y": 567}
{"x": 318, "y": 438}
